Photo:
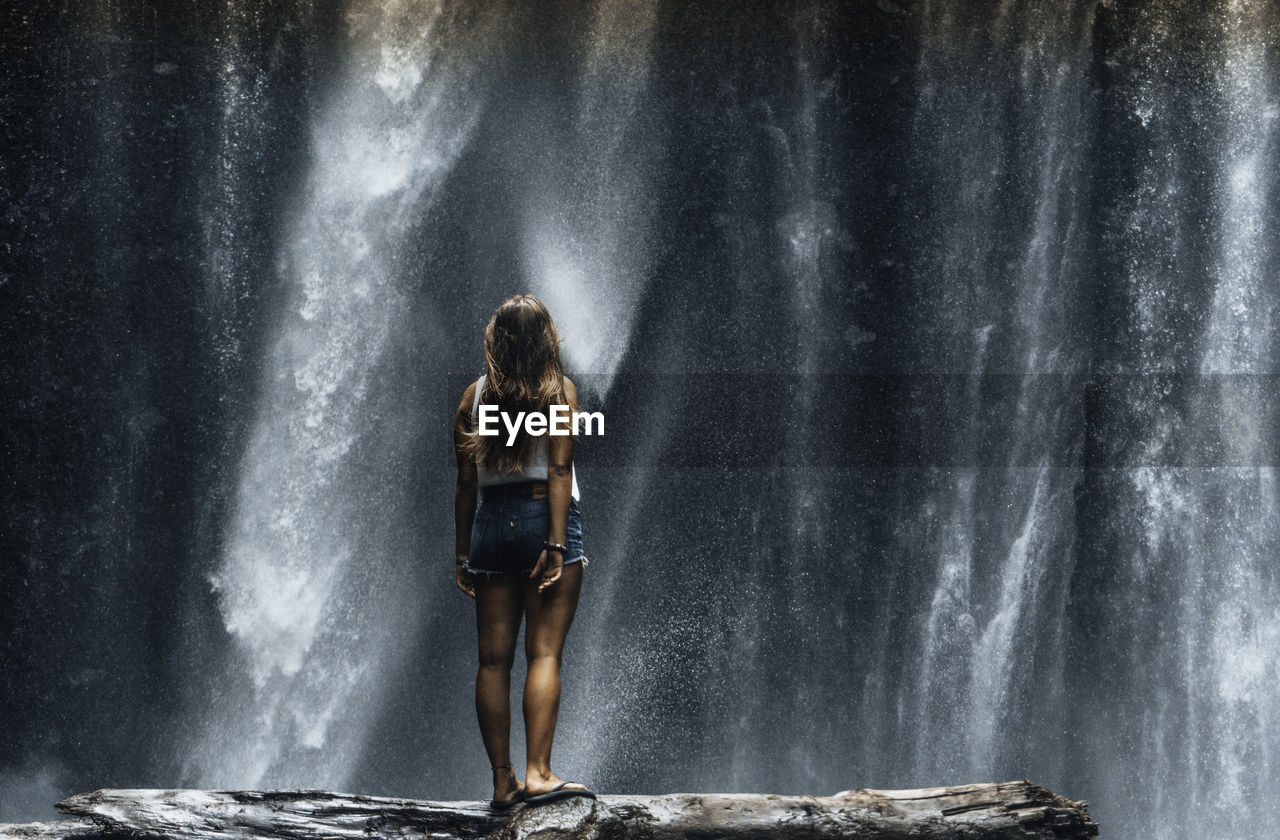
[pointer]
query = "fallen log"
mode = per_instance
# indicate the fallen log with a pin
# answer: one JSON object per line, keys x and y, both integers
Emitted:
{"x": 996, "y": 811}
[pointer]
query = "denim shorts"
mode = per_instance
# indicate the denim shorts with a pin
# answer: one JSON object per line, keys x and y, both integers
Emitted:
{"x": 511, "y": 527}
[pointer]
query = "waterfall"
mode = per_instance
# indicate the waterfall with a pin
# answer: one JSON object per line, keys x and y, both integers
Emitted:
{"x": 585, "y": 209}
{"x": 1231, "y": 595}
{"x": 936, "y": 339}
{"x": 311, "y": 585}
{"x": 1200, "y": 614}
{"x": 808, "y": 245}
{"x": 1001, "y": 274}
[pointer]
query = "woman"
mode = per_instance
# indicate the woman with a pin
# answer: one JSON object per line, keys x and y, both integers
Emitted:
{"x": 520, "y": 552}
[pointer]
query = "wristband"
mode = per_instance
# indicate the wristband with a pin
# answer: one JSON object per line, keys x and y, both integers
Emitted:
{"x": 555, "y": 547}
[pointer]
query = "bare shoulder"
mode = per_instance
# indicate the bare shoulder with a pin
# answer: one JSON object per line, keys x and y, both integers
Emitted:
{"x": 571, "y": 392}
{"x": 468, "y": 399}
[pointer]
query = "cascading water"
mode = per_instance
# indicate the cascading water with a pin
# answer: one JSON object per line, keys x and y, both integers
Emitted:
{"x": 1230, "y": 606}
{"x": 1190, "y": 616}
{"x": 585, "y": 206}
{"x": 998, "y": 267}
{"x": 935, "y": 341}
{"x": 311, "y": 586}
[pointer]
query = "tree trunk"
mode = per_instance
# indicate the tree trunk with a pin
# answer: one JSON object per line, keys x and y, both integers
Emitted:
{"x": 1000, "y": 811}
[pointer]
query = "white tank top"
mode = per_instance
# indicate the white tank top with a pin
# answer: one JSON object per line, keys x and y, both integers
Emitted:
{"x": 535, "y": 469}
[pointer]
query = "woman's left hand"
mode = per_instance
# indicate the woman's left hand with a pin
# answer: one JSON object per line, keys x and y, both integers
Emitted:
{"x": 549, "y": 567}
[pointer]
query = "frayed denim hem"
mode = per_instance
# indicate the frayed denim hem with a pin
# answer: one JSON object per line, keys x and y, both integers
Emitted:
{"x": 488, "y": 573}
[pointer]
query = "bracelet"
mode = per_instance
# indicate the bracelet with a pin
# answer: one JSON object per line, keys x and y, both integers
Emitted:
{"x": 555, "y": 547}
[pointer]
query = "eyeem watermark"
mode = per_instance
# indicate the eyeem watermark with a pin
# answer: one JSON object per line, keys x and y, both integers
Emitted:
{"x": 538, "y": 424}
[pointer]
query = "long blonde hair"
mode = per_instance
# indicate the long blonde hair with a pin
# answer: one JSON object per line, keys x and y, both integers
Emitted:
{"x": 522, "y": 360}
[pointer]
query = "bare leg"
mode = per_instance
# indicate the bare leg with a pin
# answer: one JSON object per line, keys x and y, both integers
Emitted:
{"x": 499, "y": 606}
{"x": 549, "y": 615}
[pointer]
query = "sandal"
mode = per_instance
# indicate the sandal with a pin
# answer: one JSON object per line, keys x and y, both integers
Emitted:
{"x": 559, "y": 792}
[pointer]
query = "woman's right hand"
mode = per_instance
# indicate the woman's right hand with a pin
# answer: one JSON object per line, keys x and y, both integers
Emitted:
{"x": 466, "y": 580}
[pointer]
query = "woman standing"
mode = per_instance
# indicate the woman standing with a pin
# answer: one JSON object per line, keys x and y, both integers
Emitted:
{"x": 519, "y": 552}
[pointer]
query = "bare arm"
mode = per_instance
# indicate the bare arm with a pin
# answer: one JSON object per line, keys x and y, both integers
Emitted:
{"x": 464, "y": 491}
{"x": 559, "y": 492}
